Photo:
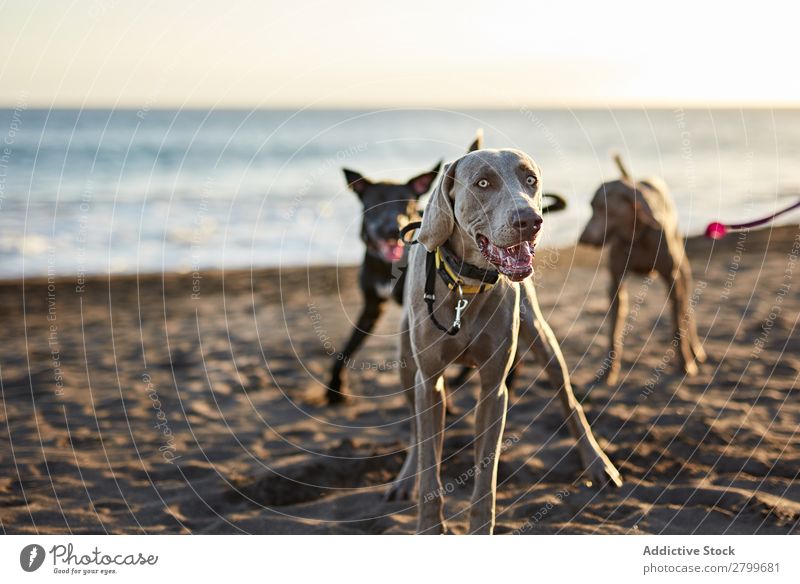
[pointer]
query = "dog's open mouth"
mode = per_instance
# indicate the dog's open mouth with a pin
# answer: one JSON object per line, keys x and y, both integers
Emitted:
{"x": 515, "y": 262}
{"x": 391, "y": 250}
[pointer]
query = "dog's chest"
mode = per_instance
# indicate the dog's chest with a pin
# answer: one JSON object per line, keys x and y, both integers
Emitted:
{"x": 489, "y": 325}
{"x": 647, "y": 255}
{"x": 380, "y": 278}
{"x": 384, "y": 289}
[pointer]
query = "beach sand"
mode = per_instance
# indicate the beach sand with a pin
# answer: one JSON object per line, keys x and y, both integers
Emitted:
{"x": 177, "y": 404}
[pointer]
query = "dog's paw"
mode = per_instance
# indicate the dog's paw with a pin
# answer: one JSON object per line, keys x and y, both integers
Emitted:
{"x": 435, "y": 528}
{"x": 690, "y": 368}
{"x": 336, "y": 399}
{"x": 699, "y": 354}
{"x": 335, "y": 394}
{"x": 610, "y": 376}
{"x": 601, "y": 471}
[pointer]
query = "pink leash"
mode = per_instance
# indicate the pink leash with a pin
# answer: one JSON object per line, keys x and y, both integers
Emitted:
{"x": 719, "y": 230}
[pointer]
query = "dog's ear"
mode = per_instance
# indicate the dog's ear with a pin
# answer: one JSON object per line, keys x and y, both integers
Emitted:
{"x": 357, "y": 183}
{"x": 642, "y": 209}
{"x": 477, "y": 144}
{"x": 644, "y": 215}
{"x": 421, "y": 184}
{"x": 438, "y": 220}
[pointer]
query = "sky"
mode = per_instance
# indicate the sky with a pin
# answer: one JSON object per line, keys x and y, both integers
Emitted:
{"x": 417, "y": 53}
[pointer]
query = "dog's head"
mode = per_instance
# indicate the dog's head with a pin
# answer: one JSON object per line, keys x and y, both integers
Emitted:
{"x": 619, "y": 210}
{"x": 388, "y": 207}
{"x": 613, "y": 213}
{"x": 492, "y": 200}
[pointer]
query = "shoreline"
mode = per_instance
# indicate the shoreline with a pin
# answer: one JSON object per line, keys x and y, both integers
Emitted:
{"x": 588, "y": 257}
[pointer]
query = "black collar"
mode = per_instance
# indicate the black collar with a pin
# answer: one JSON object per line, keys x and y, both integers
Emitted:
{"x": 439, "y": 262}
{"x": 457, "y": 267}
{"x": 462, "y": 269}
{"x": 451, "y": 270}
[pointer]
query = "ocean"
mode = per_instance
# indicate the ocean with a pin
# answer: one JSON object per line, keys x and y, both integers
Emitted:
{"x": 127, "y": 191}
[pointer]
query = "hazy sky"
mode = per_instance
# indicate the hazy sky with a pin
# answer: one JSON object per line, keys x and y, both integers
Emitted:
{"x": 455, "y": 53}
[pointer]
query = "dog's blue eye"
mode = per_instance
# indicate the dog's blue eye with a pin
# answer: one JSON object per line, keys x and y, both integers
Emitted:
{"x": 483, "y": 183}
{"x": 531, "y": 180}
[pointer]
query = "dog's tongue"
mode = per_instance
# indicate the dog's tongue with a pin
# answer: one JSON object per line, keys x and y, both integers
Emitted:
{"x": 391, "y": 250}
{"x": 516, "y": 258}
{"x": 514, "y": 262}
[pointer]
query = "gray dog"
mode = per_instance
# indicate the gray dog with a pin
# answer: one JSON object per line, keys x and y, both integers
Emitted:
{"x": 479, "y": 232}
{"x": 638, "y": 222}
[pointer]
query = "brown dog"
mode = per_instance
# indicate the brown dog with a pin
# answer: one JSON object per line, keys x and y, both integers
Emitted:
{"x": 637, "y": 221}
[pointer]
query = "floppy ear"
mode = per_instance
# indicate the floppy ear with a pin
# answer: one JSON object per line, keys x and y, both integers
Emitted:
{"x": 421, "y": 184}
{"x": 357, "y": 183}
{"x": 438, "y": 220}
{"x": 477, "y": 144}
{"x": 643, "y": 210}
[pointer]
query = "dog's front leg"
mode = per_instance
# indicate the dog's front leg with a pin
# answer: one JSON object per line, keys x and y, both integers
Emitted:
{"x": 490, "y": 420}
{"x": 429, "y": 402}
{"x": 404, "y": 484}
{"x": 537, "y": 334}
{"x": 373, "y": 306}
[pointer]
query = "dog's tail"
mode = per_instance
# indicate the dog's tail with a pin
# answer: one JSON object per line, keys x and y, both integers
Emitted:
{"x": 621, "y": 166}
{"x": 477, "y": 143}
{"x": 557, "y": 203}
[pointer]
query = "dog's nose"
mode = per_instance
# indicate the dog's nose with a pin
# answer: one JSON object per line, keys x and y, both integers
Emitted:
{"x": 589, "y": 238}
{"x": 388, "y": 229}
{"x": 526, "y": 221}
{"x": 390, "y": 232}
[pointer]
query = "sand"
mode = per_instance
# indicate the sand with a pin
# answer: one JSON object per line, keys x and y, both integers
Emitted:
{"x": 177, "y": 404}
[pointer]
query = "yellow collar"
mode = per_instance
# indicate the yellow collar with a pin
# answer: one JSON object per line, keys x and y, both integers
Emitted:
{"x": 454, "y": 280}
